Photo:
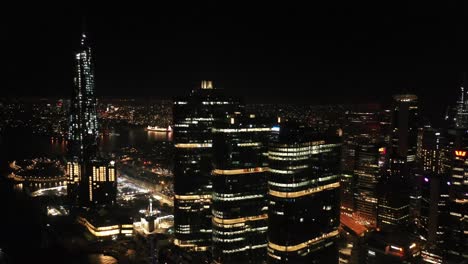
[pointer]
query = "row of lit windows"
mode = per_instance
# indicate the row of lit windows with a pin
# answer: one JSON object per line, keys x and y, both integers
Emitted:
{"x": 230, "y": 251}
{"x": 237, "y": 130}
{"x": 231, "y": 233}
{"x": 74, "y": 172}
{"x": 291, "y": 248}
{"x": 239, "y": 220}
{"x": 99, "y": 174}
{"x": 193, "y": 197}
{"x": 304, "y": 183}
{"x": 304, "y": 192}
{"x": 297, "y": 154}
{"x": 228, "y": 240}
{"x": 90, "y": 189}
{"x": 389, "y": 217}
{"x": 215, "y": 103}
{"x": 193, "y": 145}
{"x": 238, "y": 198}
{"x": 240, "y": 171}
{"x": 311, "y": 143}
{"x": 249, "y": 144}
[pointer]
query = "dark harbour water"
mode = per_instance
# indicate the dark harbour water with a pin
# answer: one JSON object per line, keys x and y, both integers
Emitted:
{"x": 21, "y": 236}
{"x": 19, "y": 144}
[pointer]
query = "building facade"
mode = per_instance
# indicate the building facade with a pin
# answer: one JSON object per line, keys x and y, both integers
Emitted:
{"x": 434, "y": 156}
{"x": 457, "y": 231}
{"x": 370, "y": 160}
{"x": 194, "y": 118}
{"x": 400, "y": 198}
{"x": 91, "y": 179}
{"x": 239, "y": 206}
{"x": 304, "y": 203}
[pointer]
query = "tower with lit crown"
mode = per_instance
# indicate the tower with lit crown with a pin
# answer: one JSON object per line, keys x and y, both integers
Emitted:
{"x": 194, "y": 118}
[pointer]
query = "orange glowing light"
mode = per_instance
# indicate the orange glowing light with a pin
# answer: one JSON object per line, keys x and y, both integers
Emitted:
{"x": 382, "y": 151}
{"x": 460, "y": 153}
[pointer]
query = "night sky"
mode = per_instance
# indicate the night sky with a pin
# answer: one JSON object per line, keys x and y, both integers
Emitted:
{"x": 292, "y": 54}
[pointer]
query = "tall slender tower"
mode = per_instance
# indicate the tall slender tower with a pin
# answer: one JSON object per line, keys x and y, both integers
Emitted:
{"x": 461, "y": 116}
{"x": 91, "y": 179}
{"x": 83, "y": 130}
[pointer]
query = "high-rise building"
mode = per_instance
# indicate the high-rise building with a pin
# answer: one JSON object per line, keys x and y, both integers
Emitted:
{"x": 194, "y": 118}
{"x": 369, "y": 165}
{"x": 83, "y": 130}
{"x": 405, "y": 128}
{"x": 363, "y": 128}
{"x": 457, "y": 116}
{"x": 239, "y": 207}
{"x": 400, "y": 192}
{"x": 91, "y": 179}
{"x": 304, "y": 193}
{"x": 434, "y": 156}
{"x": 457, "y": 231}
{"x": 434, "y": 217}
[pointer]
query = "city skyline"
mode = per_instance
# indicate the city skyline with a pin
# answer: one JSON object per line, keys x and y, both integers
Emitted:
{"x": 281, "y": 135}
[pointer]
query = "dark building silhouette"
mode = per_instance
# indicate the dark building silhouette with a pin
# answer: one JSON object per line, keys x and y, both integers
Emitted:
{"x": 400, "y": 192}
{"x": 391, "y": 248}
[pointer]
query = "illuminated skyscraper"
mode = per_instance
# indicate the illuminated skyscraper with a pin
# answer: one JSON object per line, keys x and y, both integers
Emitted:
{"x": 363, "y": 134}
{"x": 363, "y": 161}
{"x": 457, "y": 231}
{"x": 83, "y": 131}
{"x": 405, "y": 128}
{"x": 194, "y": 118}
{"x": 435, "y": 164}
{"x": 239, "y": 191}
{"x": 304, "y": 196}
{"x": 91, "y": 179}
{"x": 458, "y": 116}
{"x": 370, "y": 160}
{"x": 400, "y": 192}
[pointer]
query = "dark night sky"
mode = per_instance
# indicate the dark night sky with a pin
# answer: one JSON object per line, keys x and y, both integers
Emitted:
{"x": 334, "y": 53}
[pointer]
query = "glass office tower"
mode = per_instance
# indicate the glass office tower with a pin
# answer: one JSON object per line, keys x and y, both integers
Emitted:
{"x": 304, "y": 196}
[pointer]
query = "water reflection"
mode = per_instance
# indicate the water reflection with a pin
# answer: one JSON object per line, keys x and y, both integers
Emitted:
{"x": 57, "y": 145}
{"x": 159, "y": 136}
{"x": 134, "y": 137}
{"x": 101, "y": 259}
{"x": 19, "y": 144}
